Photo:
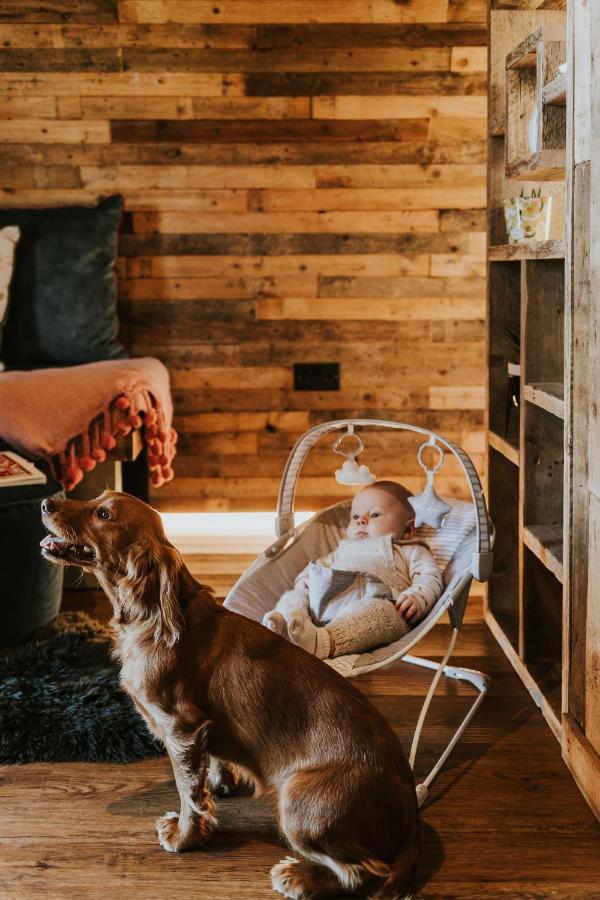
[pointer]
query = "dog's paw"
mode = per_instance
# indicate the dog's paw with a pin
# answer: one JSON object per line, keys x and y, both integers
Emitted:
{"x": 222, "y": 790}
{"x": 285, "y": 881}
{"x": 171, "y": 838}
{"x": 167, "y": 829}
{"x": 224, "y": 782}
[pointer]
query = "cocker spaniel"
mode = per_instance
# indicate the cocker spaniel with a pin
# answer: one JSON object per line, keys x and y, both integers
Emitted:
{"x": 230, "y": 699}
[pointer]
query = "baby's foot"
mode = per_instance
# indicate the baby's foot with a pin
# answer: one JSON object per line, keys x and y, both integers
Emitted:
{"x": 304, "y": 633}
{"x": 274, "y": 621}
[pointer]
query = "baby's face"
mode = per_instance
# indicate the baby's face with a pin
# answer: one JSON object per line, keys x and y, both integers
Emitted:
{"x": 376, "y": 513}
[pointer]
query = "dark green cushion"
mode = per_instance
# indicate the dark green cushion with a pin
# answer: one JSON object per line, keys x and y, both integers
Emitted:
{"x": 62, "y": 307}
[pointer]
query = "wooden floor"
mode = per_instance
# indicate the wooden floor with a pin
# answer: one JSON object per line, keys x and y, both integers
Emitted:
{"x": 505, "y": 818}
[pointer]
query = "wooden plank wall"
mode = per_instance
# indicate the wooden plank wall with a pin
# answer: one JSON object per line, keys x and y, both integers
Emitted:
{"x": 305, "y": 182}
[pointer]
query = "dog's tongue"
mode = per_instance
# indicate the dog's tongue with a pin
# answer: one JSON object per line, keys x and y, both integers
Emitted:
{"x": 50, "y": 542}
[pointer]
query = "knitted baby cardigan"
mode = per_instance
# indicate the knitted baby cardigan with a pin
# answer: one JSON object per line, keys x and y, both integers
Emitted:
{"x": 407, "y": 567}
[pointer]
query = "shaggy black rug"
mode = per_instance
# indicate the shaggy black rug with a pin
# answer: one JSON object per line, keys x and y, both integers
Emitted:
{"x": 60, "y": 699}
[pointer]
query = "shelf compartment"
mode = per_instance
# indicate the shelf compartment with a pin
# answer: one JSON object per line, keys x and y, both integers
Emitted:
{"x": 501, "y": 188}
{"x": 503, "y": 585}
{"x": 552, "y": 718}
{"x": 543, "y": 296}
{"x": 527, "y": 250}
{"x": 505, "y": 448}
{"x": 542, "y": 628}
{"x": 546, "y": 543}
{"x": 555, "y": 92}
{"x": 547, "y": 396}
{"x": 542, "y": 463}
{"x": 529, "y": 68}
{"x": 504, "y": 316}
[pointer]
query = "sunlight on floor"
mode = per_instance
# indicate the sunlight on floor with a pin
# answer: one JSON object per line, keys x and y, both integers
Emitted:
{"x": 225, "y": 532}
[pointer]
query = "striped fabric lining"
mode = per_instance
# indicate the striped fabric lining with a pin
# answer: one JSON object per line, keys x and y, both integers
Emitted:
{"x": 457, "y": 525}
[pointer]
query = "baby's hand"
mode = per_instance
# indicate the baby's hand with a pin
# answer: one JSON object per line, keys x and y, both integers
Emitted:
{"x": 408, "y": 606}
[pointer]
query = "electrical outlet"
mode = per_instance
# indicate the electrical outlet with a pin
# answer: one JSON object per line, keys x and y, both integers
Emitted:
{"x": 316, "y": 376}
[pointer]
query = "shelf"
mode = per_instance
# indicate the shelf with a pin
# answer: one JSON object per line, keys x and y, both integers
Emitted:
{"x": 505, "y": 448}
{"x": 545, "y": 165}
{"x": 525, "y": 54}
{"x": 546, "y": 543}
{"x": 529, "y": 4}
{"x": 550, "y": 397}
{"x": 527, "y": 250}
{"x": 555, "y": 92}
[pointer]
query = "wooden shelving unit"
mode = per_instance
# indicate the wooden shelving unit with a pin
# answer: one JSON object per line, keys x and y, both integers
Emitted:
{"x": 526, "y": 291}
{"x": 555, "y": 92}
{"x": 543, "y": 603}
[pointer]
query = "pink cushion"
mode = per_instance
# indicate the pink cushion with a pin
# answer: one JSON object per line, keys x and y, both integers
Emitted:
{"x": 68, "y": 415}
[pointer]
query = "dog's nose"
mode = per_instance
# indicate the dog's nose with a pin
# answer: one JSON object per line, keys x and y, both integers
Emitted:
{"x": 48, "y": 507}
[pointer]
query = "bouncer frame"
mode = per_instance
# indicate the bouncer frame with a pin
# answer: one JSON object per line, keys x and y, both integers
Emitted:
{"x": 453, "y": 600}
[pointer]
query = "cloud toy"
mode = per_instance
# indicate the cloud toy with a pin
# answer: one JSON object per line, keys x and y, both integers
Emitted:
{"x": 352, "y": 473}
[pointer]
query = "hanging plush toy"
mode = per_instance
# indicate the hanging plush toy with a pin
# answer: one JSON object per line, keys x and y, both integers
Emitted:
{"x": 351, "y": 472}
{"x": 429, "y": 508}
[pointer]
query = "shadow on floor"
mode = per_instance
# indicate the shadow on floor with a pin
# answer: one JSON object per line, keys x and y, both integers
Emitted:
{"x": 244, "y": 819}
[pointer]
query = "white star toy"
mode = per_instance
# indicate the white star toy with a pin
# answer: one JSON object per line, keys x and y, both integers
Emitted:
{"x": 429, "y": 508}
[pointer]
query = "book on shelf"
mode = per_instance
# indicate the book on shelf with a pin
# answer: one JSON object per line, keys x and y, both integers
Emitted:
{"x": 14, "y": 470}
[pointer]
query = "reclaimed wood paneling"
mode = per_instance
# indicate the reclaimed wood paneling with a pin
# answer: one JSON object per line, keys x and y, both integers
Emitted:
{"x": 304, "y": 182}
{"x": 87, "y": 11}
{"x": 292, "y": 11}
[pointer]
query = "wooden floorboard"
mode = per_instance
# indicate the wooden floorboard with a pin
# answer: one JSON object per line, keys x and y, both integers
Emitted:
{"x": 505, "y": 818}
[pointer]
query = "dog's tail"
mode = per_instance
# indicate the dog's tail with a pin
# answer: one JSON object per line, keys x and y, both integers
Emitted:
{"x": 398, "y": 873}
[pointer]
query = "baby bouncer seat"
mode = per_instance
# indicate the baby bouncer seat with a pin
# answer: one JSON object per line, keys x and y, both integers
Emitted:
{"x": 459, "y": 534}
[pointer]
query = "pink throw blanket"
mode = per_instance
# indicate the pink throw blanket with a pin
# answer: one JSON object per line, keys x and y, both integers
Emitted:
{"x": 71, "y": 417}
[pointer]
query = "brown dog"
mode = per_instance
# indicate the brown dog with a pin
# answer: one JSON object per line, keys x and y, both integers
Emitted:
{"x": 227, "y": 696}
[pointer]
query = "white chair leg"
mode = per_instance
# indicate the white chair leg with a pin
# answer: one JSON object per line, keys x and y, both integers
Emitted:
{"x": 478, "y": 679}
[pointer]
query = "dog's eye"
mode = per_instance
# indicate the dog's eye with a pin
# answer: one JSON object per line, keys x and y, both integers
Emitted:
{"x": 103, "y": 513}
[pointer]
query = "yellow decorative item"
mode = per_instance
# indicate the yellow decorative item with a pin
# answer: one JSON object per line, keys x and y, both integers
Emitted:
{"x": 527, "y": 218}
{"x": 513, "y": 220}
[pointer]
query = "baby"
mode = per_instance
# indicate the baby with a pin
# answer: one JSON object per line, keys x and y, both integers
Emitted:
{"x": 377, "y": 584}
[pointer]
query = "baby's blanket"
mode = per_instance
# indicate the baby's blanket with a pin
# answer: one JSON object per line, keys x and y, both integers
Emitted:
{"x": 71, "y": 417}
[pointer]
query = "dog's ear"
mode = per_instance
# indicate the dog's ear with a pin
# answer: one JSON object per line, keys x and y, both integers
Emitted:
{"x": 149, "y": 591}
